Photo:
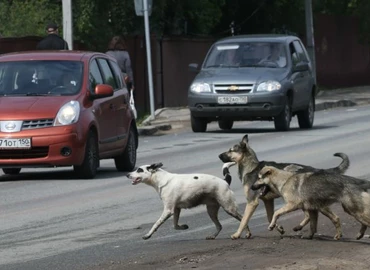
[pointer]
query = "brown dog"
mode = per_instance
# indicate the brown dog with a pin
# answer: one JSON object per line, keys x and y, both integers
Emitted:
{"x": 316, "y": 191}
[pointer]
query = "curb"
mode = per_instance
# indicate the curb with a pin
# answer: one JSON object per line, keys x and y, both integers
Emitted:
{"x": 148, "y": 130}
{"x": 151, "y": 130}
{"x": 334, "y": 104}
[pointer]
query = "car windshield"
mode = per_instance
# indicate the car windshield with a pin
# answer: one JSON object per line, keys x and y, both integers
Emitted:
{"x": 247, "y": 54}
{"x": 40, "y": 78}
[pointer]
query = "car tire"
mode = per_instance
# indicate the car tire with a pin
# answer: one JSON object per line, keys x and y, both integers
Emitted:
{"x": 282, "y": 120}
{"x": 90, "y": 164}
{"x": 306, "y": 117}
{"x": 225, "y": 124}
{"x": 127, "y": 160}
{"x": 198, "y": 124}
{"x": 11, "y": 171}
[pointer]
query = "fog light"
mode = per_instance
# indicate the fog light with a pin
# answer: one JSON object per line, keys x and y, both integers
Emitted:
{"x": 66, "y": 151}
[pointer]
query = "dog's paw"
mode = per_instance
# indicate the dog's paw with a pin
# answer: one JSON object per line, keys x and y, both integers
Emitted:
{"x": 147, "y": 236}
{"x": 297, "y": 228}
{"x": 248, "y": 235}
{"x": 182, "y": 227}
{"x": 271, "y": 227}
{"x": 211, "y": 237}
{"x": 280, "y": 229}
{"x": 338, "y": 236}
{"x": 359, "y": 236}
{"x": 235, "y": 236}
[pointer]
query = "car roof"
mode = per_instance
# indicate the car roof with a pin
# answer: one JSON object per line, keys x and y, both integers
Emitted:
{"x": 258, "y": 37}
{"x": 49, "y": 55}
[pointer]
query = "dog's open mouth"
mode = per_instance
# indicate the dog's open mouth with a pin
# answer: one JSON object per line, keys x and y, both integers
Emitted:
{"x": 136, "y": 181}
{"x": 264, "y": 190}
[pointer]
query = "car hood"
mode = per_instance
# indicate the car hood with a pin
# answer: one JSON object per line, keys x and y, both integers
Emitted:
{"x": 241, "y": 75}
{"x": 20, "y": 108}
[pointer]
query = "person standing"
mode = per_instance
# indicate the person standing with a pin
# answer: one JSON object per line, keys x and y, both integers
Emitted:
{"x": 52, "y": 41}
{"x": 117, "y": 49}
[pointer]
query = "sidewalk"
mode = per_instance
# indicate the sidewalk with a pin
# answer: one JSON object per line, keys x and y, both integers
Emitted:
{"x": 175, "y": 118}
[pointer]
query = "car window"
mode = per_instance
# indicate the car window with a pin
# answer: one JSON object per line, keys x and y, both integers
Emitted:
{"x": 41, "y": 77}
{"x": 107, "y": 73}
{"x": 294, "y": 54}
{"x": 117, "y": 74}
{"x": 95, "y": 77}
{"x": 246, "y": 54}
{"x": 1, "y": 79}
{"x": 301, "y": 53}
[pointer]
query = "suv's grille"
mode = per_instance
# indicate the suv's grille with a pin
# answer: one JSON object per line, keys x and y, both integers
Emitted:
{"x": 34, "y": 152}
{"x": 41, "y": 123}
{"x": 232, "y": 88}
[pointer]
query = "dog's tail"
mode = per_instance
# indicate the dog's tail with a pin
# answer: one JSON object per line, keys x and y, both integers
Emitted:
{"x": 226, "y": 172}
{"x": 343, "y": 166}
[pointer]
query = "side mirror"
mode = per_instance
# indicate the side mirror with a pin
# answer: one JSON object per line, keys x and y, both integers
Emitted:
{"x": 102, "y": 91}
{"x": 301, "y": 66}
{"x": 193, "y": 67}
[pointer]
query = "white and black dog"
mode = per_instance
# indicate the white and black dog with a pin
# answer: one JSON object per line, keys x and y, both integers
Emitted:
{"x": 179, "y": 191}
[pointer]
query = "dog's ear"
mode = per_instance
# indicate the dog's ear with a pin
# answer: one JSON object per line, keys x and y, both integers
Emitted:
{"x": 245, "y": 139}
{"x": 266, "y": 171}
{"x": 155, "y": 166}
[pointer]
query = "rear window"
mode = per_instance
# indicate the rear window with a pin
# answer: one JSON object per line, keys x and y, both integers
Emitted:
{"x": 247, "y": 54}
{"x": 46, "y": 77}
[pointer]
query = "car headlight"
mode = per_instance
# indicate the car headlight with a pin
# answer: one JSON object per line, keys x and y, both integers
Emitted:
{"x": 68, "y": 114}
{"x": 200, "y": 87}
{"x": 269, "y": 86}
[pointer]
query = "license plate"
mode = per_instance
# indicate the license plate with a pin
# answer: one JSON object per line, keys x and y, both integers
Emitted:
{"x": 23, "y": 143}
{"x": 232, "y": 100}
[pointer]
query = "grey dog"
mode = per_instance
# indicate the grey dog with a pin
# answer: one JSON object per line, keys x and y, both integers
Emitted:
{"x": 179, "y": 191}
{"x": 316, "y": 191}
{"x": 248, "y": 168}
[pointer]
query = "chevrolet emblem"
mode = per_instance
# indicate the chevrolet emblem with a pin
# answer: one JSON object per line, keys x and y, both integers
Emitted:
{"x": 233, "y": 88}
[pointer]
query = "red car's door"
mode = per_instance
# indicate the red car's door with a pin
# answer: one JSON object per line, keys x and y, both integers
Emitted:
{"x": 104, "y": 111}
{"x": 119, "y": 100}
{"x": 124, "y": 115}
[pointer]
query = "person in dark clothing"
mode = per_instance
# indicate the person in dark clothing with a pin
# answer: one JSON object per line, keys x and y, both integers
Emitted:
{"x": 117, "y": 49}
{"x": 52, "y": 41}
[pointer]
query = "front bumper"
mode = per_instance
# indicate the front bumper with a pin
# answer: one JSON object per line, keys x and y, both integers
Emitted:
{"x": 259, "y": 106}
{"x": 46, "y": 149}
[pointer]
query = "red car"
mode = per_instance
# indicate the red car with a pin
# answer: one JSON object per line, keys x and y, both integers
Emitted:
{"x": 64, "y": 108}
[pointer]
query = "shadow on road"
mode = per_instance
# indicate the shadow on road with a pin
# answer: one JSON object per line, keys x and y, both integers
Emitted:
{"x": 61, "y": 174}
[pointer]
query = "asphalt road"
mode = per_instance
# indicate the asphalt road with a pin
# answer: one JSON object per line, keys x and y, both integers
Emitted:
{"x": 48, "y": 220}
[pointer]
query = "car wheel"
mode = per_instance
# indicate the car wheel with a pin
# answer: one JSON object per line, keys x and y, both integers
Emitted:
{"x": 12, "y": 171}
{"x": 306, "y": 117}
{"x": 225, "y": 124}
{"x": 127, "y": 160}
{"x": 198, "y": 124}
{"x": 90, "y": 164}
{"x": 282, "y": 121}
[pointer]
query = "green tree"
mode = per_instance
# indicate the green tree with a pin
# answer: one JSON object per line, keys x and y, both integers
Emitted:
{"x": 96, "y": 21}
{"x": 27, "y": 17}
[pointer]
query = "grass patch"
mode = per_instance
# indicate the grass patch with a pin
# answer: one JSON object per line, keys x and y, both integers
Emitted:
{"x": 141, "y": 117}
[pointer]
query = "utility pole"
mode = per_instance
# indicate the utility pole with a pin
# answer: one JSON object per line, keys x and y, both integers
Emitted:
{"x": 310, "y": 34}
{"x": 67, "y": 22}
{"x": 149, "y": 58}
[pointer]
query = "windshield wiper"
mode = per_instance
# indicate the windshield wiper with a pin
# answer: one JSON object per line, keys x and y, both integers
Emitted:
{"x": 223, "y": 66}
{"x": 251, "y": 65}
{"x": 35, "y": 94}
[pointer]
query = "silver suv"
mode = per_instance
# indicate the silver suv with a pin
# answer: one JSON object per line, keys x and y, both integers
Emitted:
{"x": 253, "y": 77}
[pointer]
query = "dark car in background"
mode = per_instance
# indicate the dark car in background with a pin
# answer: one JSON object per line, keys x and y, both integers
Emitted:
{"x": 253, "y": 78}
{"x": 64, "y": 108}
